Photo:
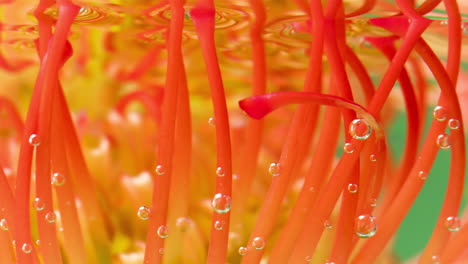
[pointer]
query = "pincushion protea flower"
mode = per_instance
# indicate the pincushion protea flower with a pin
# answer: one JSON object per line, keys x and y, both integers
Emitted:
{"x": 114, "y": 161}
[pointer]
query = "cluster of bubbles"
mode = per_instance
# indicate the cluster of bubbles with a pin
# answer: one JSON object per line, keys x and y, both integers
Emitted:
{"x": 444, "y": 141}
{"x": 361, "y": 130}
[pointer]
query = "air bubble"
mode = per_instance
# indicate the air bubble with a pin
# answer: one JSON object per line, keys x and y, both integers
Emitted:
{"x": 454, "y": 124}
{"x": 58, "y": 179}
{"x": 422, "y": 175}
{"x": 352, "y": 188}
{"x": 328, "y": 224}
{"x": 34, "y": 140}
{"x": 4, "y": 225}
{"x": 274, "y": 169}
{"x": 163, "y": 231}
{"x": 144, "y": 213}
{"x": 26, "y": 248}
{"x": 218, "y": 225}
{"x": 366, "y": 226}
{"x": 220, "y": 172}
{"x": 348, "y": 148}
{"x": 38, "y": 204}
{"x": 221, "y": 203}
{"x": 435, "y": 259}
{"x": 439, "y": 113}
{"x": 160, "y": 170}
{"x": 453, "y": 223}
{"x": 243, "y": 251}
{"x": 444, "y": 141}
{"x": 161, "y": 251}
{"x": 50, "y": 217}
{"x": 258, "y": 243}
{"x": 211, "y": 121}
{"x": 360, "y": 129}
{"x": 373, "y": 158}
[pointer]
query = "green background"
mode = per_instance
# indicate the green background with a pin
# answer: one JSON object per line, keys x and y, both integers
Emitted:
{"x": 416, "y": 230}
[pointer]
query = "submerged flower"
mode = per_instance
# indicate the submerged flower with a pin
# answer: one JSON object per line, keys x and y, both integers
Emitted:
{"x": 229, "y": 131}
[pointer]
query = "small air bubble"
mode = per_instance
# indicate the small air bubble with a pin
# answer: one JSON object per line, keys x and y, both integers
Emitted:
{"x": 360, "y": 129}
{"x": 218, "y": 225}
{"x": 58, "y": 179}
{"x": 444, "y": 141}
{"x": 366, "y": 226}
{"x": 422, "y": 175}
{"x": 50, "y": 217}
{"x": 258, "y": 243}
{"x": 352, "y": 188}
{"x": 453, "y": 223}
{"x": 274, "y": 169}
{"x": 220, "y": 172}
{"x": 243, "y": 251}
{"x": 454, "y": 124}
{"x": 4, "y": 225}
{"x": 348, "y": 148}
{"x": 221, "y": 203}
{"x": 144, "y": 213}
{"x": 328, "y": 224}
{"x": 34, "y": 140}
{"x": 439, "y": 113}
{"x": 435, "y": 259}
{"x": 373, "y": 158}
{"x": 160, "y": 170}
{"x": 27, "y": 248}
{"x": 38, "y": 204}
{"x": 161, "y": 251}
{"x": 211, "y": 121}
{"x": 163, "y": 231}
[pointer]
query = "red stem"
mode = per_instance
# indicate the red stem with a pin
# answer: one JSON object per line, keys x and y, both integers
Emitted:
{"x": 203, "y": 16}
{"x": 165, "y": 150}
